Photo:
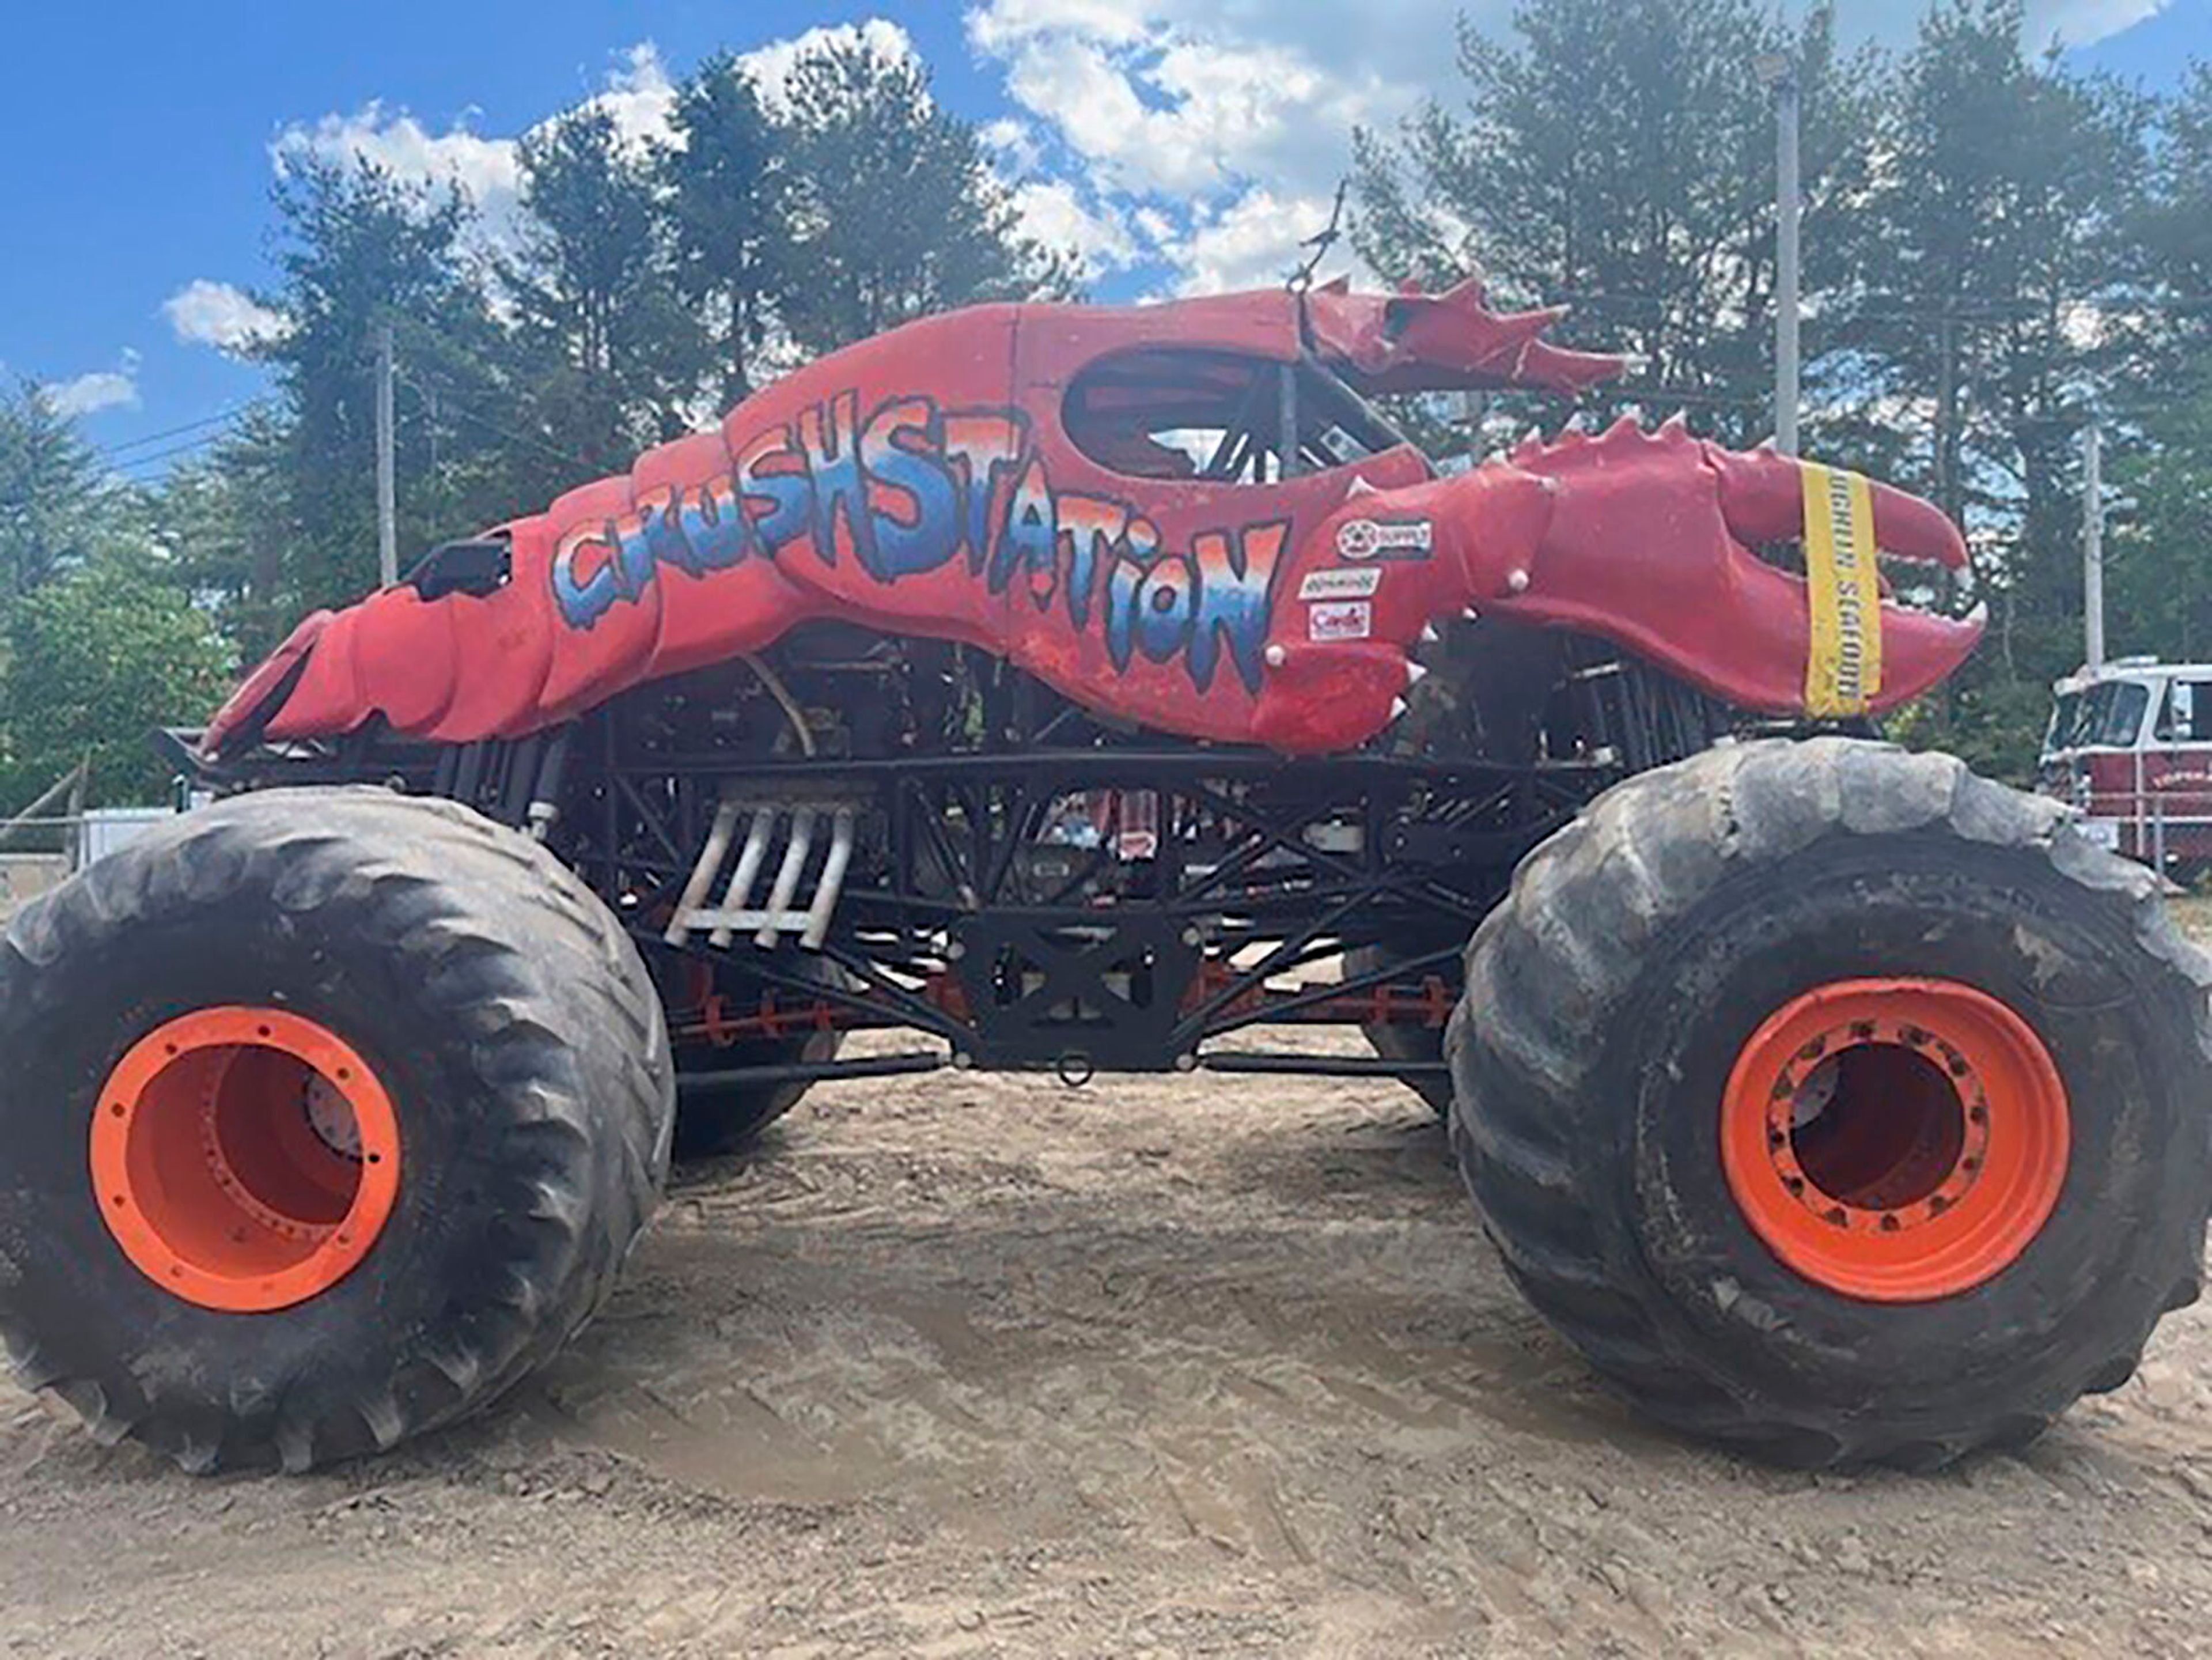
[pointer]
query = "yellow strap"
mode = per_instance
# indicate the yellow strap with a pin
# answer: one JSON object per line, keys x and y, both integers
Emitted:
{"x": 1843, "y": 666}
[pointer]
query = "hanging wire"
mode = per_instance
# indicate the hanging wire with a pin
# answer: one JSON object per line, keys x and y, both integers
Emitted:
{"x": 1320, "y": 242}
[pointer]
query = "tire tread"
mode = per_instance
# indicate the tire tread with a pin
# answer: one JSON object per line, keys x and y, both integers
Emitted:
{"x": 1544, "y": 965}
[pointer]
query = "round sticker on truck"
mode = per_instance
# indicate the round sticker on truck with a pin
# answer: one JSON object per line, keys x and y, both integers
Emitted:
{"x": 1373, "y": 539}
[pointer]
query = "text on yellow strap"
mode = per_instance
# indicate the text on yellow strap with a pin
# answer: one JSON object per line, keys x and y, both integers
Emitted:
{"x": 1843, "y": 663}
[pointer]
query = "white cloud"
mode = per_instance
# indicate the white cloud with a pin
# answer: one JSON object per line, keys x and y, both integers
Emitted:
{"x": 770, "y": 65}
{"x": 1214, "y": 131}
{"x": 205, "y": 313}
{"x": 1053, "y": 211}
{"x": 101, "y": 389}
{"x": 999, "y": 24}
{"x": 400, "y": 144}
{"x": 1200, "y": 137}
{"x": 1187, "y": 116}
{"x": 637, "y": 94}
{"x": 1014, "y": 143}
{"x": 1215, "y": 134}
{"x": 1254, "y": 242}
{"x": 2085, "y": 22}
{"x": 640, "y": 96}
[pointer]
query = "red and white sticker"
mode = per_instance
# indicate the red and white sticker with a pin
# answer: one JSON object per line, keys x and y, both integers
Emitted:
{"x": 1372, "y": 539}
{"x": 1347, "y": 619}
{"x": 1338, "y": 583}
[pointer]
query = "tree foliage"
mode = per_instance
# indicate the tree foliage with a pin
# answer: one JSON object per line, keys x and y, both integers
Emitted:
{"x": 1999, "y": 248}
{"x": 608, "y": 353}
{"x": 636, "y": 291}
{"x": 894, "y": 213}
{"x": 95, "y": 660}
{"x": 728, "y": 185}
{"x": 53, "y": 494}
{"x": 1618, "y": 157}
{"x": 98, "y": 638}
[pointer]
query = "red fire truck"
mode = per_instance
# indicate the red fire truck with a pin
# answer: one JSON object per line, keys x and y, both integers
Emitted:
{"x": 2130, "y": 744}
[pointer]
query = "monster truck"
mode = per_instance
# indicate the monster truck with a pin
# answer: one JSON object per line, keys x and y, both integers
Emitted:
{"x": 1073, "y": 688}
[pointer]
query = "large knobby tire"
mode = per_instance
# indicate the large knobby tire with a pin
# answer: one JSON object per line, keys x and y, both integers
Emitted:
{"x": 249, "y": 1023}
{"x": 1790, "y": 947}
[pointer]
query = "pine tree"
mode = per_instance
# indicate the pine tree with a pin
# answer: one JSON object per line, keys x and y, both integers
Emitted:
{"x": 607, "y": 354}
{"x": 360, "y": 251}
{"x": 895, "y": 212}
{"x": 53, "y": 496}
{"x": 728, "y": 191}
{"x": 1617, "y": 155}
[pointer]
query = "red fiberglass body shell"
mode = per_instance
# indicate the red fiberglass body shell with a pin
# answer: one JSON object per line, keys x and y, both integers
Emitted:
{"x": 926, "y": 483}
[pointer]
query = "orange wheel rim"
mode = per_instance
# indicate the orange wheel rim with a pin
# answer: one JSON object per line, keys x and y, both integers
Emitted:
{"x": 245, "y": 1160}
{"x": 1896, "y": 1140}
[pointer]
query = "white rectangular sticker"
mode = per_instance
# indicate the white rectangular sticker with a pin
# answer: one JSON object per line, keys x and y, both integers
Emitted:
{"x": 1348, "y": 619}
{"x": 1340, "y": 584}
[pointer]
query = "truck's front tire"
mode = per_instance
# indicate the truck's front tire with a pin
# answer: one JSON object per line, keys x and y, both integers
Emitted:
{"x": 1839, "y": 1105}
{"x": 324, "y": 1116}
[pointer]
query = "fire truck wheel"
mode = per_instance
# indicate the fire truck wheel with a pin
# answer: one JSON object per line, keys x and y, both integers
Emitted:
{"x": 325, "y": 1115}
{"x": 1838, "y": 1105}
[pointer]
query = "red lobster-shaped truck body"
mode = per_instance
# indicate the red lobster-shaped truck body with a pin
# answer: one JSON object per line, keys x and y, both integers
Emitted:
{"x": 998, "y": 477}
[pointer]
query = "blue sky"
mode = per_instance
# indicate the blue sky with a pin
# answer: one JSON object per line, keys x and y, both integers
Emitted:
{"x": 1180, "y": 142}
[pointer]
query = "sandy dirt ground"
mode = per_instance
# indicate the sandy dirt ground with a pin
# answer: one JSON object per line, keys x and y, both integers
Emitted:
{"x": 984, "y": 1366}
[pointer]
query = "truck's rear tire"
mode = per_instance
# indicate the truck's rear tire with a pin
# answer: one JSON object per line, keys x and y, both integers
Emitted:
{"x": 729, "y": 1118}
{"x": 324, "y": 1116}
{"x": 1398, "y": 1040}
{"x": 1839, "y": 1105}
{"x": 717, "y": 1119}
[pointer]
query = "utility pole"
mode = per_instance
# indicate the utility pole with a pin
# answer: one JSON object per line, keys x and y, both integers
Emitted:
{"x": 1946, "y": 415}
{"x": 2092, "y": 544}
{"x": 1778, "y": 70}
{"x": 388, "y": 509}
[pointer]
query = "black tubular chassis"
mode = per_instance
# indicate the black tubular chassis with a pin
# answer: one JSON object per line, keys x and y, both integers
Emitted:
{"x": 1024, "y": 885}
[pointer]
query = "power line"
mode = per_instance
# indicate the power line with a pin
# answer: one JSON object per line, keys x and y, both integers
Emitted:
{"x": 174, "y": 449}
{"x": 113, "y": 451}
{"x": 123, "y": 468}
{"x": 447, "y": 401}
{"x": 1971, "y": 309}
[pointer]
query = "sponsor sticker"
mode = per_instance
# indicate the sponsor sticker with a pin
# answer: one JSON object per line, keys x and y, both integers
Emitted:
{"x": 1374, "y": 538}
{"x": 1843, "y": 667}
{"x": 1342, "y": 619}
{"x": 1340, "y": 584}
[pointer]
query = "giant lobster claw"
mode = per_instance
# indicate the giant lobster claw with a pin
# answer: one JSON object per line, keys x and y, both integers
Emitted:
{"x": 1648, "y": 540}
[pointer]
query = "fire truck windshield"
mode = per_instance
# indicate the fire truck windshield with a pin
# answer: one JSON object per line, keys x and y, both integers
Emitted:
{"x": 2110, "y": 715}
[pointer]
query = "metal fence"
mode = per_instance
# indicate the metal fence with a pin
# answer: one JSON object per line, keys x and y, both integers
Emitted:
{"x": 40, "y": 852}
